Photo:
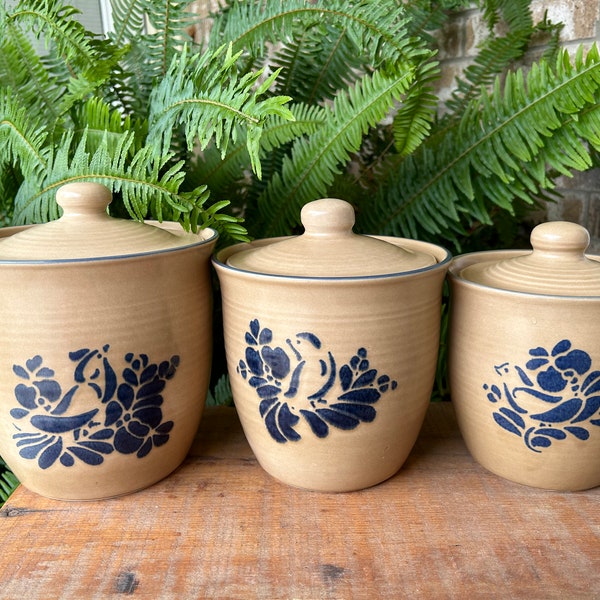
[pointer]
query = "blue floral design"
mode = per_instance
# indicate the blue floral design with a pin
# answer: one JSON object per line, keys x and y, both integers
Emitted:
{"x": 278, "y": 375}
{"x": 555, "y": 395}
{"x": 131, "y": 420}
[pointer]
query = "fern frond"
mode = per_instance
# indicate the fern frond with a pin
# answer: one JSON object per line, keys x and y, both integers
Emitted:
{"x": 229, "y": 177}
{"x": 204, "y": 95}
{"x": 147, "y": 185}
{"x": 490, "y": 10}
{"x": 90, "y": 79}
{"x": 8, "y": 482}
{"x": 31, "y": 81}
{"x": 550, "y": 33}
{"x": 54, "y": 22}
{"x": 217, "y": 171}
{"x": 493, "y": 58}
{"x": 316, "y": 64}
{"x": 22, "y": 136}
{"x": 424, "y": 16}
{"x": 133, "y": 80}
{"x": 307, "y": 174}
{"x": 128, "y": 20}
{"x": 168, "y": 32}
{"x": 76, "y": 65}
{"x": 501, "y": 150}
{"x": 414, "y": 118}
{"x": 515, "y": 13}
{"x": 277, "y": 132}
{"x": 104, "y": 124}
{"x": 139, "y": 180}
{"x": 149, "y": 53}
{"x": 251, "y": 26}
{"x": 496, "y": 54}
{"x": 587, "y": 127}
{"x": 378, "y": 26}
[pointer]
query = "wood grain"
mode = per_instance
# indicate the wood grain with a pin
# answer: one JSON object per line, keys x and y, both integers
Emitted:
{"x": 221, "y": 528}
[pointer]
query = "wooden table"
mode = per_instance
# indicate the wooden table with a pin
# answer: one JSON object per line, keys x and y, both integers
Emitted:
{"x": 220, "y": 527}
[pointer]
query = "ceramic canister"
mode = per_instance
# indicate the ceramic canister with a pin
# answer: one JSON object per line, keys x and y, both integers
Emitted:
{"x": 524, "y": 359}
{"x": 105, "y": 345}
{"x": 331, "y": 341}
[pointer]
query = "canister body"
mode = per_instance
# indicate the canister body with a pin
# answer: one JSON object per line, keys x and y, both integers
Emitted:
{"x": 525, "y": 381}
{"x": 331, "y": 377}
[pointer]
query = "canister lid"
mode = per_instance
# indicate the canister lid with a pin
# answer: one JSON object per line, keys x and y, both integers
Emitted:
{"x": 329, "y": 248}
{"x": 556, "y": 266}
{"x": 86, "y": 231}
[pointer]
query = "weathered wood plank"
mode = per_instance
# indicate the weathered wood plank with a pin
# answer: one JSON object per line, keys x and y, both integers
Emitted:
{"x": 219, "y": 527}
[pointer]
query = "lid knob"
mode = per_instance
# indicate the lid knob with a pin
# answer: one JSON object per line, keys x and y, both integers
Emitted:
{"x": 560, "y": 240}
{"x": 327, "y": 217}
{"x": 84, "y": 199}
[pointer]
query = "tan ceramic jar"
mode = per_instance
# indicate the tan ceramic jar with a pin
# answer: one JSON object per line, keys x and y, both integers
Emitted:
{"x": 331, "y": 342}
{"x": 105, "y": 348}
{"x": 524, "y": 359}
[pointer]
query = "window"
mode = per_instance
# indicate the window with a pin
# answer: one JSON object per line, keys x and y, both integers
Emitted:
{"x": 95, "y": 15}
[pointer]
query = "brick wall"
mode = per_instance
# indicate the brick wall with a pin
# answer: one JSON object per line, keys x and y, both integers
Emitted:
{"x": 580, "y": 200}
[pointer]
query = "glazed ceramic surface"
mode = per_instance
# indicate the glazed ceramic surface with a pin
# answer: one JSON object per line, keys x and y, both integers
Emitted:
{"x": 331, "y": 373}
{"x": 525, "y": 359}
{"x": 104, "y": 348}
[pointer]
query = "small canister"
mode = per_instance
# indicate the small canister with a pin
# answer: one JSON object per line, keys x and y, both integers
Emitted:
{"x": 524, "y": 359}
{"x": 331, "y": 341}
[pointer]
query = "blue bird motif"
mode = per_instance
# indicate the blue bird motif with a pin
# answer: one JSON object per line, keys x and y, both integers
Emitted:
{"x": 298, "y": 379}
{"x": 128, "y": 418}
{"x": 554, "y": 395}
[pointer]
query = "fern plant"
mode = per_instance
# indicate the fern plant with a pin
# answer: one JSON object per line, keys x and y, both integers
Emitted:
{"x": 128, "y": 111}
{"x": 370, "y": 128}
{"x": 176, "y": 129}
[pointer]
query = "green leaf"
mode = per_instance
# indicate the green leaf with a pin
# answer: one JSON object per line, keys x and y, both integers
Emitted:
{"x": 502, "y": 149}
{"x": 414, "y": 118}
{"x": 8, "y": 482}
{"x": 204, "y": 95}
{"x": 378, "y": 28}
{"x": 314, "y": 161}
{"x": 146, "y": 184}
{"x": 55, "y": 23}
{"x": 220, "y": 172}
{"x": 22, "y": 136}
{"x": 128, "y": 19}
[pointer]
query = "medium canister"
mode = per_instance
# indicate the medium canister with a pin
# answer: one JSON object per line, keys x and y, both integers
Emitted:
{"x": 332, "y": 341}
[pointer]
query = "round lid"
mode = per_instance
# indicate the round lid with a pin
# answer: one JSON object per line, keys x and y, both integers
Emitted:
{"x": 556, "y": 266}
{"x": 85, "y": 230}
{"x": 329, "y": 248}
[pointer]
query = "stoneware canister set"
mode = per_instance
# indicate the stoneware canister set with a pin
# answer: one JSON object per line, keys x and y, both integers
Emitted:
{"x": 331, "y": 341}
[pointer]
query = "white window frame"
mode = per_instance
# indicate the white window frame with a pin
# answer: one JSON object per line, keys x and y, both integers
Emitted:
{"x": 106, "y": 16}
